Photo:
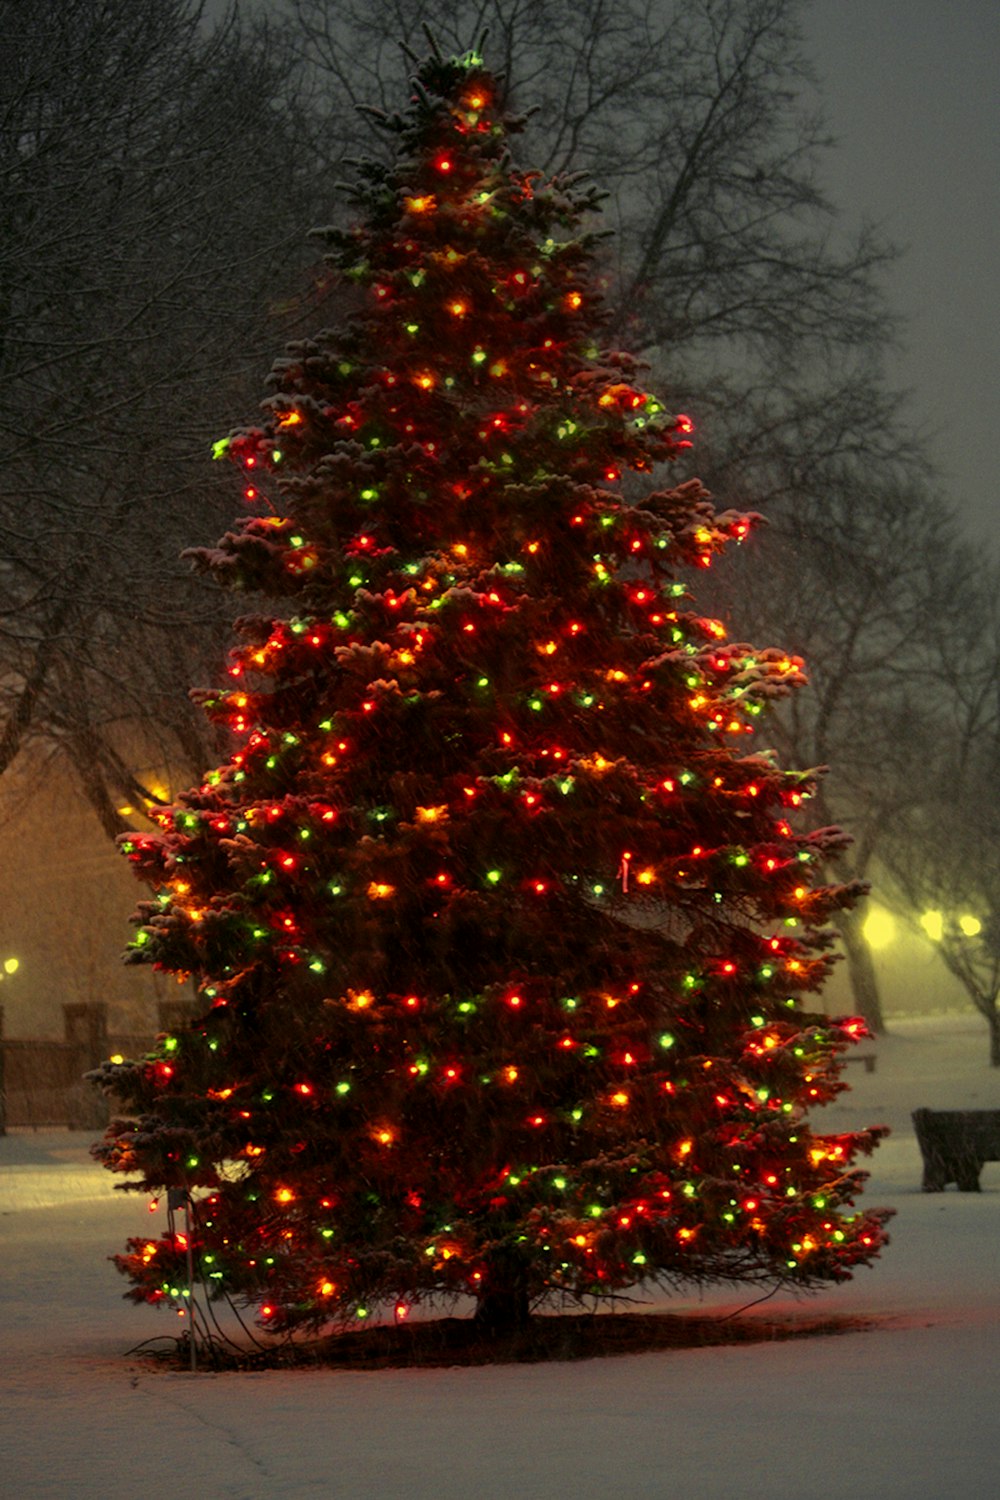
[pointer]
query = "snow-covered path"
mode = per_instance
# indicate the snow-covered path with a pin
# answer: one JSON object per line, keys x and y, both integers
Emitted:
{"x": 908, "y": 1411}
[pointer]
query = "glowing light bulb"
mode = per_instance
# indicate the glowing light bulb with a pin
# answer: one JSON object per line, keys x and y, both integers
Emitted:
{"x": 879, "y": 928}
{"x": 933, "y": 924}
{"x": 431, "y": 814}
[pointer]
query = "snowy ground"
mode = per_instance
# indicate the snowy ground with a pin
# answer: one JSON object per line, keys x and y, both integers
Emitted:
{"x": 908, "y": 1411}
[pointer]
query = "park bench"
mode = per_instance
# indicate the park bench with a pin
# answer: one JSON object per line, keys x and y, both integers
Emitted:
{"x": 954, "y": 1144}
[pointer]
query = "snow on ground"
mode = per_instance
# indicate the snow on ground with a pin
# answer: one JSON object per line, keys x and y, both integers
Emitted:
{"x": 906, "y": 1411}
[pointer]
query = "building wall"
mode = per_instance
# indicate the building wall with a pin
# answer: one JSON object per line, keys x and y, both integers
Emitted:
{"x": 66, "y": 895}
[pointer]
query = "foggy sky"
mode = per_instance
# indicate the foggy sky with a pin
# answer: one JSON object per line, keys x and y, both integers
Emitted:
{"x": 910, "y": 89}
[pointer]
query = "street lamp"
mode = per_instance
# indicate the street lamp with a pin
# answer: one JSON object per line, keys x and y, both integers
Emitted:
{"x": 933, "y": 924}
{"x": 879, "y": 928}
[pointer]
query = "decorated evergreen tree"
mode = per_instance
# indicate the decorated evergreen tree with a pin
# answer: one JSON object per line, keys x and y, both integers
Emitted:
{"x": 499, "y": 921}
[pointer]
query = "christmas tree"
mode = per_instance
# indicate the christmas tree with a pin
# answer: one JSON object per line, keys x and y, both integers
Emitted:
{"x": 499, "y": 922}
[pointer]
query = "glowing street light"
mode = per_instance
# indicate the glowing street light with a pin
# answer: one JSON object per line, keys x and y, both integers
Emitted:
{"x": 933, "y": 924}
{"x": 879, "y": 928}
{"x": 10, "y": 966}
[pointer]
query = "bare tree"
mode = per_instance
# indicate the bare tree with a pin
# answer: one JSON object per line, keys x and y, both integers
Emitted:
{"x": 941, "y": 850}
{"x": 690, "y": 114}
{"x": 147, "y": 215}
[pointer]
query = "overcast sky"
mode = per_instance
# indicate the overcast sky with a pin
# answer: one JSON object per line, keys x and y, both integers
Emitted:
{"x": 911, "y": 91}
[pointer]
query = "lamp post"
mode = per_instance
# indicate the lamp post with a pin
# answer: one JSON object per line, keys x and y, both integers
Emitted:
{"x": 9, "y": 966}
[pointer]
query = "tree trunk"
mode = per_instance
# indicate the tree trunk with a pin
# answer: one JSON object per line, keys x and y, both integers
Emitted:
{"x": 503, "y": 1310}
{"x": 993, "y": 1022}
{"x": 504, "y": 1305}
{"x": 860, "y": 966}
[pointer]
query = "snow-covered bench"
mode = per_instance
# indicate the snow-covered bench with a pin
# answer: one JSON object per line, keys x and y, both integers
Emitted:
{"x": 954, "y": 1144}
